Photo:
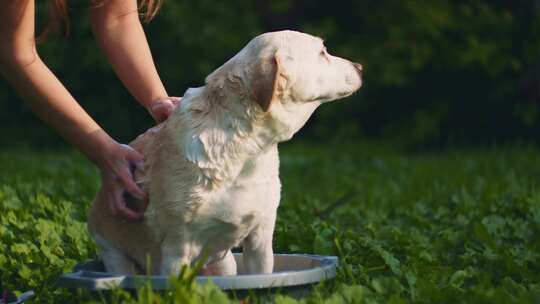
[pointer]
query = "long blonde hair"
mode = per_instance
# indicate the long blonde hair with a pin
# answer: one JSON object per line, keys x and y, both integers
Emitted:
{"x": 58, "y": 14}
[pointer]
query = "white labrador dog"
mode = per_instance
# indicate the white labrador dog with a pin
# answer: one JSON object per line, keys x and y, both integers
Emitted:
{"x": 211, "y": 170}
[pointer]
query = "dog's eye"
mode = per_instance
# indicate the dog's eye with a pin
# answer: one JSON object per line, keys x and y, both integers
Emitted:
{"x": 323, "y": 52}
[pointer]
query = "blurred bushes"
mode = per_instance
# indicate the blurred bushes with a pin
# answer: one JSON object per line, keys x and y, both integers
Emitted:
{"x": 436, "y": 72}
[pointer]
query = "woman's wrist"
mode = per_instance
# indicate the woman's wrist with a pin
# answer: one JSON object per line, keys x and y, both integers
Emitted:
{"x": 97, "y": 147}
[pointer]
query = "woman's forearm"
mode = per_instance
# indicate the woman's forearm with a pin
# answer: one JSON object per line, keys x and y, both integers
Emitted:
{"x": 50, "y": 100}
{"x": 36, "y": 84}
{"x": 120, "y": 34}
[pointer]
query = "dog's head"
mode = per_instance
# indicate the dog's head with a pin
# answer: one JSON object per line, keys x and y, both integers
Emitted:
{"x": 287, "y": 74}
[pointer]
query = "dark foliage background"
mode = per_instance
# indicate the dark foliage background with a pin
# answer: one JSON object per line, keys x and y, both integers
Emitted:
{"x": 437, "y": 72}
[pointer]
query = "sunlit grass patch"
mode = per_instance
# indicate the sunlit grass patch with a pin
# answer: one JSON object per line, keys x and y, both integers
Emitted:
{"x": 451, "y": 226}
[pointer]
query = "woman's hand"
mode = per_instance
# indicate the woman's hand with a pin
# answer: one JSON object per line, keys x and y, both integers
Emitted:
{"x": 117, "y": 163}
{"x": 128, "y": 50}
{"x": 162, "y": 108}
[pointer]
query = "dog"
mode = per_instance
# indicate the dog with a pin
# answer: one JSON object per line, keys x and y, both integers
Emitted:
{"x": 212, "y": 168}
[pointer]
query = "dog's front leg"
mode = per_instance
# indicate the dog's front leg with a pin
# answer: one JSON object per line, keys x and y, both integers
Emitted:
{"x": 257, "y": 250}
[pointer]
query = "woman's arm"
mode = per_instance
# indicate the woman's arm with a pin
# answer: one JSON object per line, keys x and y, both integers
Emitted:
{"x": 119, "y": 32}
{"x": 38, "y": 86}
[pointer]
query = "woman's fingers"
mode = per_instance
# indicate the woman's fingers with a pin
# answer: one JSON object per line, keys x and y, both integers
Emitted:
{"x": 126, "y": 179}
{"x": 162, "y": 108}
{"x": 117, "y": 170}
{"x": 124, "y": 171}
{"x": 112, "y": 203}
{"x": 122, "y": 208}
{"x": 117, "y": 201}
{"x": 132, "y": 154}
{"x": 162, "y": 111}
{"x": 175, "y": 100}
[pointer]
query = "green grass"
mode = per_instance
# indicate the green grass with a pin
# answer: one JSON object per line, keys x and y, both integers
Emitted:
{"x": 458, "y": 226}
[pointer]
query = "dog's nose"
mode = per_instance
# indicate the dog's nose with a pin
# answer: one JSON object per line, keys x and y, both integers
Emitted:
{"x": 358, "y": 68}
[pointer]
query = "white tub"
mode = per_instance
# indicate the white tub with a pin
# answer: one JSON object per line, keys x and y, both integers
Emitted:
{"x": 293, "y": 274}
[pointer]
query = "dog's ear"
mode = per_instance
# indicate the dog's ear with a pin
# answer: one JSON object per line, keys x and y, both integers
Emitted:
{"x": 270, "y": 81}
{"x": 227, "y": 76}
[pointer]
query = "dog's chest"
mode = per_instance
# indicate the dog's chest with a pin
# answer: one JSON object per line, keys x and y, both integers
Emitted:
{"x": 253, "y": 195}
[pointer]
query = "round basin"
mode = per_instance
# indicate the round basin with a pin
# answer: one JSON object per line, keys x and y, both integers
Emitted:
{"x": 296, "y": 272}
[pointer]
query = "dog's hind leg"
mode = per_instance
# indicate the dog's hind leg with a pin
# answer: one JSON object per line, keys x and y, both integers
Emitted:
{"x": 115, "y": 261}
{"x": 225, "y": 266}
{"x": 175, "y": 254}
{"x": 118, "y": 263}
